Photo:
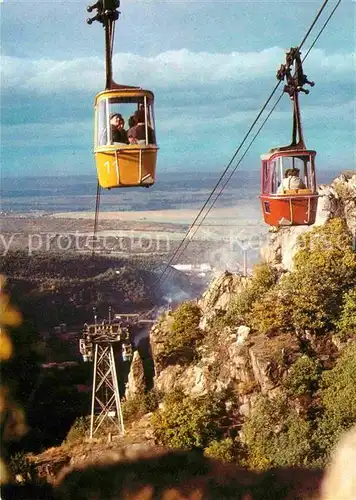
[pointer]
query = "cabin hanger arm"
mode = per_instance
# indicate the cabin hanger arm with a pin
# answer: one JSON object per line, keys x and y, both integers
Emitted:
{"x": 295, "y": 84}
{"x": 107, "y": 14}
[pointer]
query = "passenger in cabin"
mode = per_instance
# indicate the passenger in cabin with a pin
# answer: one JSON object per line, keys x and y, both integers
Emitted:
{"x": 131, "y": 133}
{"x": 291, "y": 181}
{"x": 296, "y": 182}
{"x": 118, "y": 132}
{"x": 140, "y": 129}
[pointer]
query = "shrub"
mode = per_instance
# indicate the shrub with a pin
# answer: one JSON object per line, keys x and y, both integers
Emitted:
{"x": 325, "y": 268}
{"x": 181, "y": 343}
{"x": 338, "y": 396}
{"x": 272, "y": 313}
{"x": 19, "y": 464}
{"x": 79, "y": 430}
{"x": 303, "y": 376}
{"x": 226, "y": 450}
{"x": 140, "y": 404}
{"x": 310, "y": 297}
{"x": 275, "y": 435}
{"x": 187, "y": 422}
{"x": 346, "y": 324}
{"x": 263, "y": 279}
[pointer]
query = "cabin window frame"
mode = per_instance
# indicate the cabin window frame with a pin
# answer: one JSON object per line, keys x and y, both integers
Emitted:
{"x": 278, "y": 164}
{"x": 103, "y": 109}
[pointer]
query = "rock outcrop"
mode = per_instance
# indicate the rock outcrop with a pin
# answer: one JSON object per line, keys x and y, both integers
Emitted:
{"x": 217, "y": 297}
{"x": 232, "y": 359}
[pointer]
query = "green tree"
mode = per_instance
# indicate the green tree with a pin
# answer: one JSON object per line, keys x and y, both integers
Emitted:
{"x": 272, "y": 313}
{"x": 310, "y": 296}
{"x": 325, "y": 268}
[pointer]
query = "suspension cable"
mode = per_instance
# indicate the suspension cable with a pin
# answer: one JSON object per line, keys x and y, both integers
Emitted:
{"x": 226, "y": 182}
{"x": 221, "y": 178}
{"x": 177, "y": 251}
{"x": 321, "y": 30}
{"x": 313, "y": 24}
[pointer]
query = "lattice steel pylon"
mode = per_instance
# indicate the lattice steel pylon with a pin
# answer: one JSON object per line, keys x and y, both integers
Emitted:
{"x": 105, "y": 394}
{"x": 97, "y": 345}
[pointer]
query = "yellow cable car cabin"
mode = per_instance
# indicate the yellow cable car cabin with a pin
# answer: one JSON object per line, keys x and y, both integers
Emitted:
{"x": 125, "y": 146}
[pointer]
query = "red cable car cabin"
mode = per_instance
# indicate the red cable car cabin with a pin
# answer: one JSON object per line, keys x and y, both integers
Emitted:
{"x": 284, "y": 202}
{"x": 288, "y": 186}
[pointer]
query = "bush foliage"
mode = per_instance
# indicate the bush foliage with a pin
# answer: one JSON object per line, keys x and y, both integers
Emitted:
{"x": 79, "y": 430}
{"x": 338, "y": 397}
{"x": 317, "y": 295}
{"x": 185, "y": 333}
{"x": 346, "y": 324}
{"x": 140, "y": 404}
{"x": 227, "y": 450}
{"x": 275, "y": 435}
{"x": 187, "y": 422}
{"x": 303, "y": 376}
{"x": 263, "y": 279}
{"x": 325, "y": 269}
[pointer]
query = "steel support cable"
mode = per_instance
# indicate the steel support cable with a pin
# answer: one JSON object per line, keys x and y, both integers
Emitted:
{"x": 177, "y": 251}
{"x": 228, "y": 180}
{"x": 254, "y": 138}
{"x": 313, "y": 24}
{"x": 321, "y": 30}
{"x": 267, "y": 117}
{"x": 219, "y": 181}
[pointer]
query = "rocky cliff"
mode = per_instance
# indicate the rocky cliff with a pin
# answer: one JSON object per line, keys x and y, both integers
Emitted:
{"x": 232, "y": 356}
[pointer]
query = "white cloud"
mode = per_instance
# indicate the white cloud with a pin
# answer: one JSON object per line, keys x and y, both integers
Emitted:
{"x": 172, "y": 69}
{"x": 184, "y": 123}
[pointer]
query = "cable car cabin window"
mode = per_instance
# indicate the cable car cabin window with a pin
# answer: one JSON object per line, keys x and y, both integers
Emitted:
{"x": 102, "y": 128}
{"x": 273, "y": 173}
{"x": 290, "y": 172}
{"x": 265, "y": 177}
{"x": 125, "y": 121}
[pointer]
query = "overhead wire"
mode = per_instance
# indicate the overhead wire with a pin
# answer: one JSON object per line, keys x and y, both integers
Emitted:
{"x": 321, "y": 30}
{"x": 179, "y": 250}
{"x": 221, "y": 177}
{"x": 227, "y": 181}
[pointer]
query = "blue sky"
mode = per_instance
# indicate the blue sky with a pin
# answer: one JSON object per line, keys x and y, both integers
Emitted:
{"x": 210, "y": 64}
